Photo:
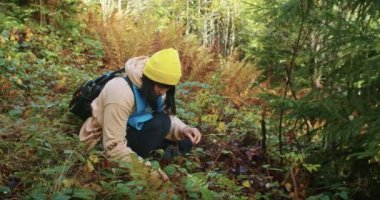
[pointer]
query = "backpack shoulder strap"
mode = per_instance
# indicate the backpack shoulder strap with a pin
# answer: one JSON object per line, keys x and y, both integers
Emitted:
{"x": 119, "y": 70}
{"x": 129, "y": 82}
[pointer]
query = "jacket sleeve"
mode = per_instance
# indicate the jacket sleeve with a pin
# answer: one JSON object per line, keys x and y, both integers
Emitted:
{"x": 117, "y": 103}
{"x": 114, "y": 132}
{"x": 176, "y": 128}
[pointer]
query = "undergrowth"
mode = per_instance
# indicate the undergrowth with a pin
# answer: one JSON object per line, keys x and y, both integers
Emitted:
{"x": 42, "y": 61}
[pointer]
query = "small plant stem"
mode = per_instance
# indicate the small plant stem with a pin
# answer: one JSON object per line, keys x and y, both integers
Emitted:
{"x": 294, "y": 184}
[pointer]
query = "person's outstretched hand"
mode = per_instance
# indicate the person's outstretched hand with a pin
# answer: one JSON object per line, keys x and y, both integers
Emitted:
{"x": 193, "y": 134}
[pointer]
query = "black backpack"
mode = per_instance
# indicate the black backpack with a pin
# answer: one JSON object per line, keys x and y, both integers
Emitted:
{"x": 80, "y": 104}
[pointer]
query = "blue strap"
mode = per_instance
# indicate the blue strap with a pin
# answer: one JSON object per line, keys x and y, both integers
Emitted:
{"x": 143, "y": 111}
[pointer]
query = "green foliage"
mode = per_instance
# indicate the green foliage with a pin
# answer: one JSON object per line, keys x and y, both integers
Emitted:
{"x": 215, "y": 114}
{"x": 39, "y": 65}
{"x": 328, "y": 52}
{"x": 313, "y": 136}
{"x": 196, "y": 187}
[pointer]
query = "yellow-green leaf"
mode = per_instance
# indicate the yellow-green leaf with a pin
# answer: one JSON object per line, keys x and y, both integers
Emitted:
{"x": 246, "y": 184}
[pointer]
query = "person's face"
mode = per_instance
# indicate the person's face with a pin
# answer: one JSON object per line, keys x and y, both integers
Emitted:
{"x": 159, "y": 90}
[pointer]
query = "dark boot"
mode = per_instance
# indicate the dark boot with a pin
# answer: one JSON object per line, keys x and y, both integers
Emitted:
{"x": 181, "y": 147}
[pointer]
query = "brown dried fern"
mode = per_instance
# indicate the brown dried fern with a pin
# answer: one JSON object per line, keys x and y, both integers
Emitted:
{"x": 239, "y": 78}
{"x": 124, "y": 37}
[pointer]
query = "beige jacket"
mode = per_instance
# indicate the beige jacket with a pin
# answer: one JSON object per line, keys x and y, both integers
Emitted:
{"x": 110, "y": 112}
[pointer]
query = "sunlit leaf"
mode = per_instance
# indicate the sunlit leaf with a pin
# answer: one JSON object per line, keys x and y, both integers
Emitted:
{"x": 67, "y": 182}
{"x": 94, "y": 158}
{"x": 246, "y": 184}
{"x": 288, "y": 186}
{"x": 89, "y": 167}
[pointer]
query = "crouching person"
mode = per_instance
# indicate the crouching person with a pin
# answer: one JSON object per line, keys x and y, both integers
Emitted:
{"x": 135, "y": 113}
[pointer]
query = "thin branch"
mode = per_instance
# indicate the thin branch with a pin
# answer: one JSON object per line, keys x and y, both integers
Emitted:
{"x": 264, "y": 132}
{"x": 289, "y": 78}
{"x": 280, "y": 123}
{"x": 294, "y": 183}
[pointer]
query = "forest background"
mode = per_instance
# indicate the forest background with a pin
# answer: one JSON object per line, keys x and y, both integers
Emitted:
{"x": 285, "y": 93}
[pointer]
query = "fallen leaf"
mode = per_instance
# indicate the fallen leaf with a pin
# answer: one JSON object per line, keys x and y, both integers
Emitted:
{"x": 246, "y": 184}
{"x": 288, "y": 186}
{"x": 89, "y": 167}
{"x": 94, "y": 158}
{"x": 68, "y": 182}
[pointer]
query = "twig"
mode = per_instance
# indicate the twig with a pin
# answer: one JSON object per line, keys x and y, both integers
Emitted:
{"x": 294, "y": 184}
{"x": 264, "y": 132}
{"x": 280, "y": 123}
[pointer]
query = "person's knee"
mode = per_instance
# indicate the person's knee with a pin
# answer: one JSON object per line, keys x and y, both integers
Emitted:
{"x": 161, "y": 121}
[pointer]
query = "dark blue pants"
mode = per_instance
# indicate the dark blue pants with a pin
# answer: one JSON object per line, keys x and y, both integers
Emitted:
{"x": 152, "y": 137}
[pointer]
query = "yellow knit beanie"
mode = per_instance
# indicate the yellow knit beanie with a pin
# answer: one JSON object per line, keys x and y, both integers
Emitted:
{"x": 164, "y": 67}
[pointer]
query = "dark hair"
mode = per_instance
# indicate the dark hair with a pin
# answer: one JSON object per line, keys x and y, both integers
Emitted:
{"x": 147, "y": 91}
